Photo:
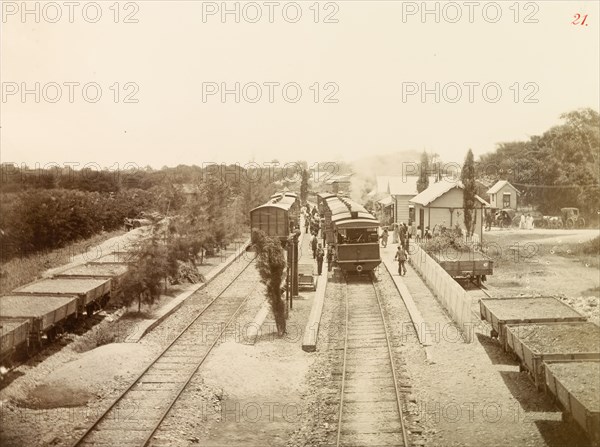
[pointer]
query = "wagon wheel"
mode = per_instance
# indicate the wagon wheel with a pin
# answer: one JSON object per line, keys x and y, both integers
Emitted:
{"x": 570, "y": 223}
{"x": 506, "y": 223}
{"x": 559, "y": 224}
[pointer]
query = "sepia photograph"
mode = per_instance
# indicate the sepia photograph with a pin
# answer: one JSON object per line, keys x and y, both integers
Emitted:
{"x": 302, "y": 223}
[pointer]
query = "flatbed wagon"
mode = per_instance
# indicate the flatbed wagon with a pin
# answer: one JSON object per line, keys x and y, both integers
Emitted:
{"x": 471, "y": 265}
{"x": 14, "y": 334}
{"x": 520, "y": 310}
{"x": 92, "y": 293}
{"x": 536, "y": 343}
{"x": 46, "y": 315}
{"x": 576, "y": 387}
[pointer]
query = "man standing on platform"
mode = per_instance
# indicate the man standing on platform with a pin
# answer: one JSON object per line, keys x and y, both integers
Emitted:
{"x": 320, "y": 256}
{"x": 401, "y": 258}
{"x": 313, "y": 244}
{"x": 329, "y": 257}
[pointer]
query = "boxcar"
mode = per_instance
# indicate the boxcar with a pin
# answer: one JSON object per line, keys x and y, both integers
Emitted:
{"x": 46, "y": 314}
{"x": 352, "y": 231}
{"x": 92, "y": 294}
{"x": 278, "y": 217}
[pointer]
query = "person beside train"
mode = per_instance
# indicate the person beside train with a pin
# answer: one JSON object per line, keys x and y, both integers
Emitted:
{"x": 313, "y": 244}
{"x": 401, "y": 258}
{"x": 320, "y": 254}
{"x": 384, "y": 237}
{"x": 329, "y": 257}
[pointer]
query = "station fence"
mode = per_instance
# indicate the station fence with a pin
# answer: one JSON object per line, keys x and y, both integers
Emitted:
{"x": 445, "y": 288}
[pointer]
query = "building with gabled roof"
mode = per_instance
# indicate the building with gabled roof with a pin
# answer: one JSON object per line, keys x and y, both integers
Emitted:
{"x": 441, "y": 205}
{"x": 503, "y": 195}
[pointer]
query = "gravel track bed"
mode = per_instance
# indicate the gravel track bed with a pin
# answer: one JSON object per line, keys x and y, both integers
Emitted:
{"x": 22, "y": 426}
{"x": 200, "y": 404}
{"x": 324, "y": 378}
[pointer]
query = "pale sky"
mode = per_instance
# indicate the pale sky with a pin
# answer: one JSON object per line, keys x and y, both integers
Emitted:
{"x": 370, "y": 56}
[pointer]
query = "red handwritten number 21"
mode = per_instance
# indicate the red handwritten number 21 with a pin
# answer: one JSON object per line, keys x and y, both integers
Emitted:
{"x": 577, "y": 18}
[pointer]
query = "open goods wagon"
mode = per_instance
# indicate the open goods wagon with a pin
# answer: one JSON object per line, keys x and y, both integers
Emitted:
{"x": 14, "y": 335}
{"x": 471, "y": 265}
{"x": 536, "y": 343}
{"x": 46, "y": 315}
{"x": 92, "y": 294}
{"x": 576, "y": 387}
{"x": 502, "y": 311}
{"x": 115, "y": 271}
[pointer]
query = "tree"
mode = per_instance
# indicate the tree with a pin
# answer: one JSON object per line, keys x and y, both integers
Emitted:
{"x": 423, "y": 181}
{"x": 469, "y": 192}
{"x": 271, "y": 266}
{"x": 304, "y": 187}
{"x": 146, "y": 272}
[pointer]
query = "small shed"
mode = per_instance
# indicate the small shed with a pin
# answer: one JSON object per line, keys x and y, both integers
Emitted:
{"x": 441, "y": 204}
{"x": 503, "y": 195}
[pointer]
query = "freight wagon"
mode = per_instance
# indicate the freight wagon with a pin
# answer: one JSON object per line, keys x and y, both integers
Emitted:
{"x": 115, "y": 271}
{"x": 92, "y": 294}
{"x": 536, "y": 343}
{"x": 14, "y": 335}
{"x": 45, "y": 315}
{"x": 575, "y": 385}
{"x": 278, "y": 217}
{"x": 502, "y": 311}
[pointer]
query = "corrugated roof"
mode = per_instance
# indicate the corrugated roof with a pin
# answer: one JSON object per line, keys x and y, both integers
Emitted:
{"x": 499, "y": 185}
{"x": 386, "y": 201}
{"x": 436, "y": 190}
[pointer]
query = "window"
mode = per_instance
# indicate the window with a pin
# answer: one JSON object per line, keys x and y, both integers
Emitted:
{"x": 506, "y": 200}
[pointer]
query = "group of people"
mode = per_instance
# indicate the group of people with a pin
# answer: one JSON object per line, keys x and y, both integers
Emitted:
{"x": 312, "y": 220}
{"x": 526, "y": 222}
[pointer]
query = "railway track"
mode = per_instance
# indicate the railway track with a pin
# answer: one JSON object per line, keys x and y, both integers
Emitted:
{"x": 136, "y": 414}
{"x": 370, "y": 404}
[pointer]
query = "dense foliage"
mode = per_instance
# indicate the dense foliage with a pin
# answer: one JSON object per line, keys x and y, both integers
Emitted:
{"x": 43, "y": 209}
{"x": 39, "y": 219}
{"x": 558, "y": 169}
